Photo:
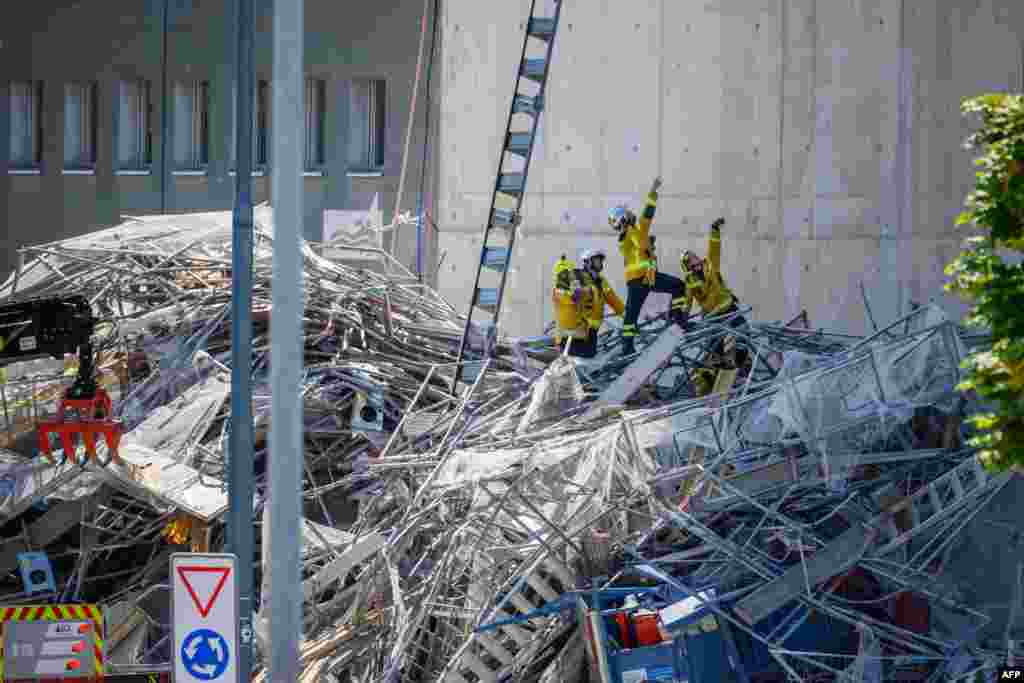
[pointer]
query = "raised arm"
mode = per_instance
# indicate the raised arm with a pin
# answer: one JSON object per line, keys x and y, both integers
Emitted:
{"x": 715, "y": 245}
{"x": 650, "y": 205}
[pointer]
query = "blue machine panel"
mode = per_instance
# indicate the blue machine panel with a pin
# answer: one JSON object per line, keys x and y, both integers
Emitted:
{"x": 653, "y": 663}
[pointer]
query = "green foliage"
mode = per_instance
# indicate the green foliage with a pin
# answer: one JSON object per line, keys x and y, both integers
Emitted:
{"x": 994, "y": 287}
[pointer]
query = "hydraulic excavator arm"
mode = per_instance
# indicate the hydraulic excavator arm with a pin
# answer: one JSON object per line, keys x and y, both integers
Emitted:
{"x": 53, "y": 327}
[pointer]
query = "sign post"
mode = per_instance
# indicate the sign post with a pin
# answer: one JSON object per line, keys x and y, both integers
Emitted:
{"x": 204, "y": 605}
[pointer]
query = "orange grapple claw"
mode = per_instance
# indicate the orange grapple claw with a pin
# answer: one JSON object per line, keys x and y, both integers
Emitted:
{"x": 88, "y": 427}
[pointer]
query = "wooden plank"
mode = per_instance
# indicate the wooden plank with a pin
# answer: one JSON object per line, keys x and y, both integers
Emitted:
{"x": 200, "y": 536}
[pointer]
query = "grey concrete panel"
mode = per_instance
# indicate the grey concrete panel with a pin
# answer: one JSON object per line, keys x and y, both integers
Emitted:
{"x": 692, "y": 109}
{"x": 627, "y": 82}
{"x": 827, "y": 132}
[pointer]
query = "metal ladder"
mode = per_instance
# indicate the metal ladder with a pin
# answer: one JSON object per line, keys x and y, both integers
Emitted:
{"x": 488, "y": 656}
{"x": 510, "y": 183}
{"x": 934, "y": 504}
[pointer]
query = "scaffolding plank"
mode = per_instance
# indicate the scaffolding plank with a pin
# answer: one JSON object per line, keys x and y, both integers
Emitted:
{"x": 22, "y": 484}
{"x": 541, "y": 586}
{"x": 354, "y": 555}
{"x": 149, "y": 472}
{"x": 57, "y": 521}
{"x": 833, "y": 559}
{"x": 634, "y": 376}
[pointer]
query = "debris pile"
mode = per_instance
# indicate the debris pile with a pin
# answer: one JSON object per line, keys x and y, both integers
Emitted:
{"x": 795, "y": 519}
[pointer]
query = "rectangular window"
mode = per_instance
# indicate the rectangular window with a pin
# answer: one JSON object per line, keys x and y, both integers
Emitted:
{"x": 366, "y": 142}
{"x": 26, "y": 150}
{"x": 134, "y": 125}
{"x": 316, "y": 106}
{"x": 191, "y": 126}
{"x": 80, "y": 117}
{"x": 260, "y": 127}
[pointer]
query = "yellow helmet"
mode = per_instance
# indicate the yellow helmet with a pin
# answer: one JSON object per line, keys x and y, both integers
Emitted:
{"x": 562, "y": 265}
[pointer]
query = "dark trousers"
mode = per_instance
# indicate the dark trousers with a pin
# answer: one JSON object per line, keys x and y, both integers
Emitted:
{"x": 636, "y": 295}
{"x": 584, "y": 348}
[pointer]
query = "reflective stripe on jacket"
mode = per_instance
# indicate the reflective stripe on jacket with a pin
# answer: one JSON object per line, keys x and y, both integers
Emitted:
{"x": 601, "y": 294}
{"x": 710, "y": 292}
{"x": 635, "y": 243}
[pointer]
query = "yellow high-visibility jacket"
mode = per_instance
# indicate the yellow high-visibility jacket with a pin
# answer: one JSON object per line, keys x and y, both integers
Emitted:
{"x": 635, "y": 243}
{"x": 569, "y": 318}
{"x": 594, "y": 301}
{"x": 710, "y": 292}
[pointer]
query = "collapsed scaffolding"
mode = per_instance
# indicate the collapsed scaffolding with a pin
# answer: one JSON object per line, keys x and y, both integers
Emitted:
{"x": 827, "y": 485}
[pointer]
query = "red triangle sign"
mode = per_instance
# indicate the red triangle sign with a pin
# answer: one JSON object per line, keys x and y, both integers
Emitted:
{"x": 204, "y": 585}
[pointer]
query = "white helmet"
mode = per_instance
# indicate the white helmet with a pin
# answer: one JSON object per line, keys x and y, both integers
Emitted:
{"x": 592, "y": 253}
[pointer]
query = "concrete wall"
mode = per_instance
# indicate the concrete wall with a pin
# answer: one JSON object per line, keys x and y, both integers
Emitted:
{"x": 59, "y": 41}
{"x": 826, "y": 131}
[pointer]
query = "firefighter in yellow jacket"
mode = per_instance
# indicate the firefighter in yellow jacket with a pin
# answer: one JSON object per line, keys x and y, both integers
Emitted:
{"x": 642, "y": 276}
{"x": 597, "y": 294}
{"x": 566, "y": 297}
{"x": 706, "y": 286}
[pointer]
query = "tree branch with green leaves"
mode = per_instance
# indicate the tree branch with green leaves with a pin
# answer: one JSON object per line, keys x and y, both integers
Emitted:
{"x": 989, "y": 275}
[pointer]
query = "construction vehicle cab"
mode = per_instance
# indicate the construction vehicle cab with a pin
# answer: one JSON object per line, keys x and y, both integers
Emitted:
{"x": 53, "y": 327}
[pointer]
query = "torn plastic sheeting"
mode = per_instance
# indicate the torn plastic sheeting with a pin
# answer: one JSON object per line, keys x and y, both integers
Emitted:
{"x": 811, "y": 397}
{"x": 556, "y": 392}
{"x": 519, "y": 348}
{"x": 919, "y": 372}
{"x": 591, "y": 468}
{"x": 158, "y": 390}
{"x": 463, "y": 466}
{"x": 692, "y": 427}
{"x": 171, "y": 428}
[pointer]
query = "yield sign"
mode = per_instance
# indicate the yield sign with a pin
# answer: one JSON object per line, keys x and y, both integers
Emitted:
{"x": 203, "y": 585}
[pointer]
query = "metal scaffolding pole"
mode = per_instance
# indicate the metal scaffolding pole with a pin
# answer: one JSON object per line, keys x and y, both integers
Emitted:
{"x": 284, "y": 539}
{"x": 240, "y": 464}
